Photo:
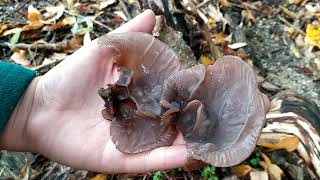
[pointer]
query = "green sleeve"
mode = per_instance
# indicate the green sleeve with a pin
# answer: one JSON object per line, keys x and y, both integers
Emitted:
{"x": 14, "y": 80}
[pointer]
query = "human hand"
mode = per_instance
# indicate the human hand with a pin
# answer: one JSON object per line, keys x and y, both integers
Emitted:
{"x": 60, "y": 115}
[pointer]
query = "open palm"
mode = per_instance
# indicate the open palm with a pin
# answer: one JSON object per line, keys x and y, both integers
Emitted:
{"x": 70, "y": 128}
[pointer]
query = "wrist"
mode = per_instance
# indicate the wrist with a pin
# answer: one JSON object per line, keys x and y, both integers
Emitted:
{"x": 15, "y": 136}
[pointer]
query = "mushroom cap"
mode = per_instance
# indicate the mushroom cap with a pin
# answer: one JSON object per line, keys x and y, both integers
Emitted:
{"x": 221, "y": 110}
{"x": 151, "y": 63}
{"x": 144, "y": 63}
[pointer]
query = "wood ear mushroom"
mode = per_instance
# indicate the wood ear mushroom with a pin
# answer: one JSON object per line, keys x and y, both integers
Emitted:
{"x": 218, "y": 108}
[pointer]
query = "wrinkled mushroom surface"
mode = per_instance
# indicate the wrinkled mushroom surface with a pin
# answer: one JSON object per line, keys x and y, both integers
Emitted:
{"x": 221, "y": 110}
{"x": 144, "y": 63}
{"x": 218, "y": 108}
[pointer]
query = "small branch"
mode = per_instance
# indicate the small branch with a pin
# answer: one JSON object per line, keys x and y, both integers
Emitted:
{"x": 202, "y": 4}
{"x": 43, "y": 66}
{"x": 125, "y": 9}
{"x": 291, "y": 25}
{"x": 60, "y": 46}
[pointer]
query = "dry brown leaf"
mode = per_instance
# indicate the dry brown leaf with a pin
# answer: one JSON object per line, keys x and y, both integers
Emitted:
{"x": 99, "y": 177}
{"x": 24, "y": 173}
{"x": 275, "y": 172}
{"x": 266, "y": 159}
{"x": 105, "y": 3}
{"x": 19, "y": 56}
{"x": 34, "y": 25}
{"x": 247, "y": 14}
{"x": 3, "y": 28}
{"x": 242, "y": 170}
{"x": 243, "y": 55}
{"x": 219, "y": 37}
{"x": 225, "y": 3}
{"x": 52, "y": 14}
{"x": 295, "y": 1}
{"x": 33, "y": 13}
{"x": 290, "y": 144}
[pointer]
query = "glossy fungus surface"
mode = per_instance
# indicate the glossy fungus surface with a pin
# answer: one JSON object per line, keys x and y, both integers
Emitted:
{"x": 218, "y": 108}
{"x": 144, "y": 63}
{"x": 221, "y": 110}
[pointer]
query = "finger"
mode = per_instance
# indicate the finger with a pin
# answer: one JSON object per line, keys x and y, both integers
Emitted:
{"x": 266, "y": 102}
{"x": 144, "y": 22}
{"x": 157, "y": 159}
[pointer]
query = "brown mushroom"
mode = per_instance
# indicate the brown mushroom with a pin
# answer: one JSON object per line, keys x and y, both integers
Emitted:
{"x": 218, "y": 108}
{"x": 221, "y": 110}
{"x": 144, "y": 63}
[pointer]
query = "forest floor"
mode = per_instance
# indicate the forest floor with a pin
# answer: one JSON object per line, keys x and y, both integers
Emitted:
{"x": 280, "y": 38}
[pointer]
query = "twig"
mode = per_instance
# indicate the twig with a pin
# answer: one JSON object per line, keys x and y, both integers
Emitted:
{"x": 43, "y": 66}
{"x": 60, "y": 46}
{"x": 291, "y": 25}
{"x": 109, "y": 28}
{"x": 202, "y": 4}
{"x": 125, "y": 9}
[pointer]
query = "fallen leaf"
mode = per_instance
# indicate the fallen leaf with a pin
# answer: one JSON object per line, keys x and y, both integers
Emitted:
{"x": 287, "y": 12}
{"x": 86, "y": 38}
{"x": 237, "y": 45}
{"x": 66, "y": 21}
{"x": 242, "y": 170}
{"x": 290, "y": 144}
{"x": 15, "y": 38}
{"x": 34, "y": 25}
{"x": 99, "y": 177}
{"x": 24, "y": 171}
{"x": 266, "y": 159}
{"x": 3, "y": 28}
{"x": 275, "y": 172}
{"x": 205, "y": 60}
{"x": 243, "y": 55}
{"x": 247, "y": 14}
{"x": 33, "y": 13}
{"x": 40, "y": 41}
{"x": 225, "y": 3}
{"x": 52, "y": 14}
{"x": 313, "y": 35}
{"x": 19, "y": 56}
{"x": 258, "y": 175}
{"x": 219, "y": 37}
{"x": 295, "y": 1}
{"x": 11, "y": 31}
{"x": 106, "y": 3}
{"x": 313, "y": 8}
{"x": 121, "y": 14}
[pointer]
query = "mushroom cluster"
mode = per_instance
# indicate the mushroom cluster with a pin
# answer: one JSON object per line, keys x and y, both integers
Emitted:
{"x": 218, "y": 108}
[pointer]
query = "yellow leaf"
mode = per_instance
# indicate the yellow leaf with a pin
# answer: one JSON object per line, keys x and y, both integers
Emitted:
{"x": 33, "y": 13}
{"x": 242, "y": 170}
{"x": 219, "y": 37}
{"x": 205, "y": 60}
{"x": 313, "y": 35}
{"x": 290, "y": 144}
{"x": 3, "y": 28}
{"x": 266, "y": 159}
{"x": 287, "y": 11}
{"x": 99, "y": 177}
{"x": 19, "y": 56}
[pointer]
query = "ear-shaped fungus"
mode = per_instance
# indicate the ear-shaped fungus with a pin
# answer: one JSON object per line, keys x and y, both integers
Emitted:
{"x": 144, "y": 63}
{"x": 221, "y": 110}
{"x": 218, "y": 108}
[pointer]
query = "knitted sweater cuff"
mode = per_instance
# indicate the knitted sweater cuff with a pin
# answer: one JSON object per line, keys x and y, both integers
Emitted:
{"x": 14, "y": 80}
